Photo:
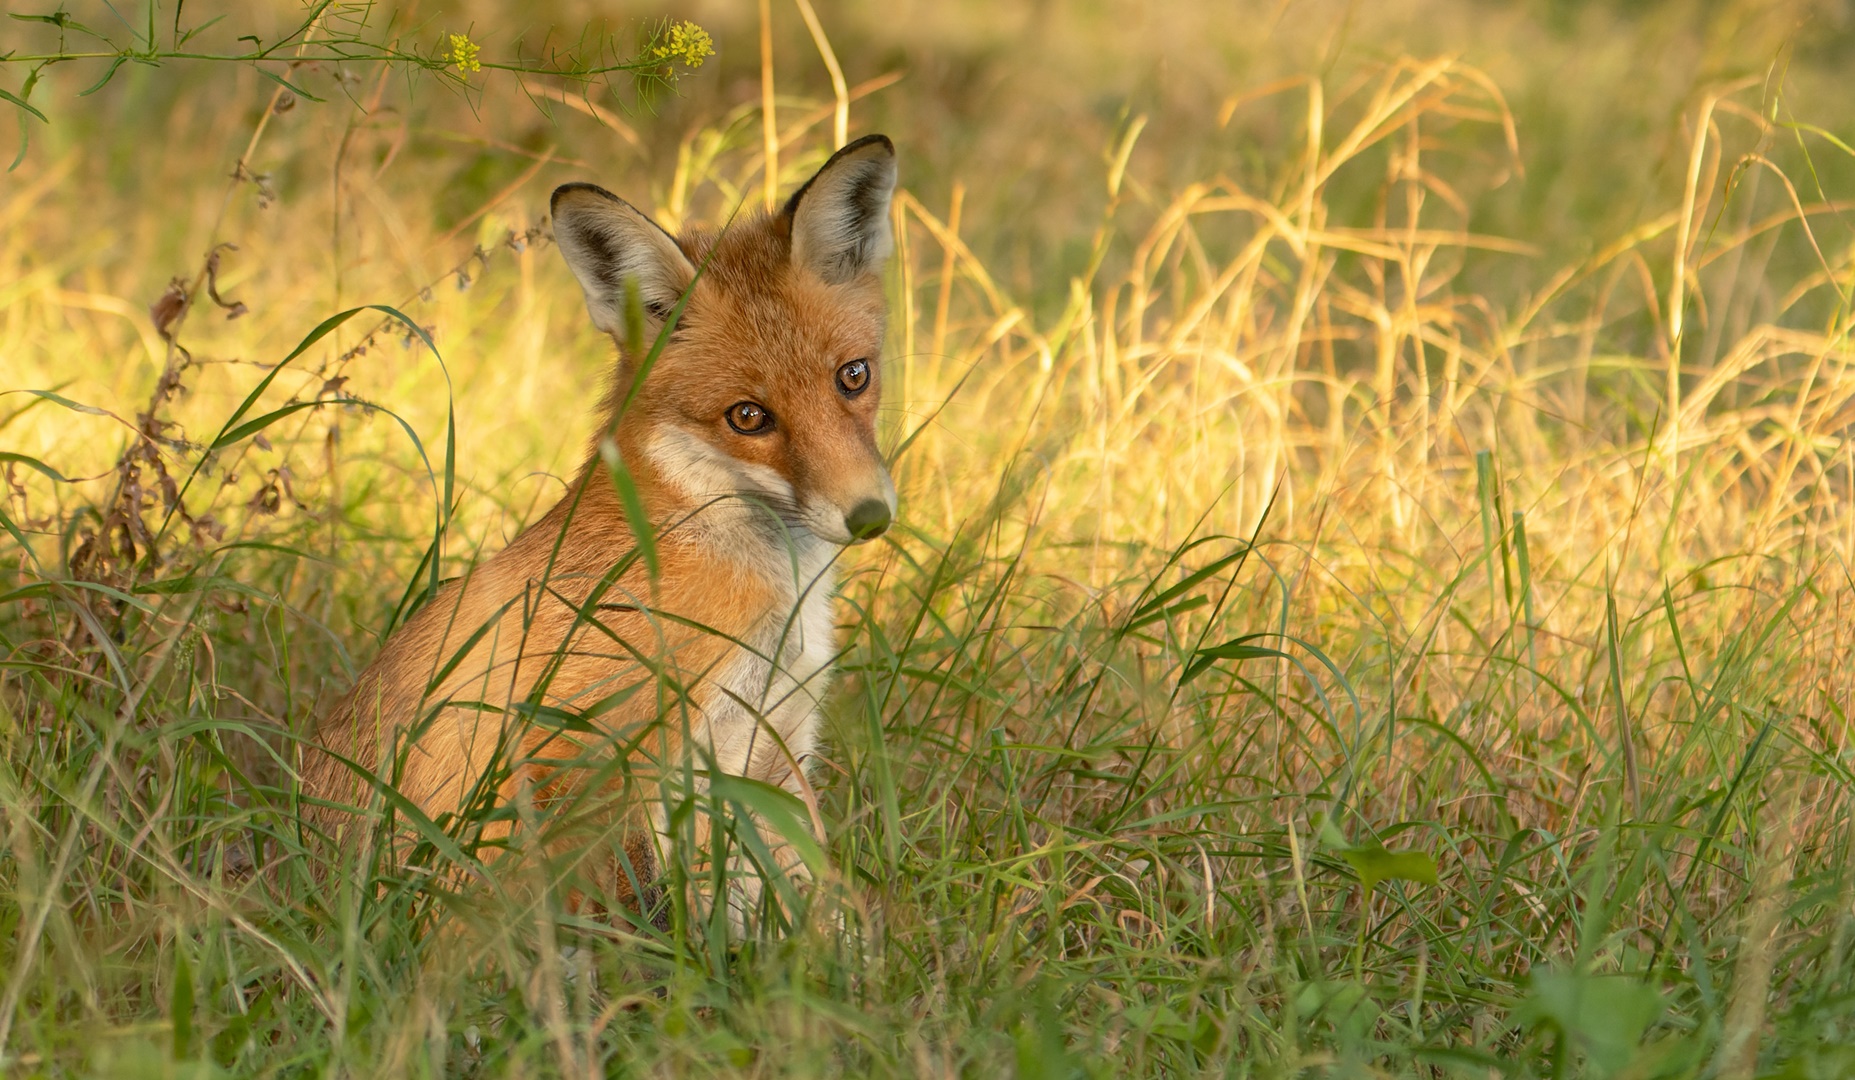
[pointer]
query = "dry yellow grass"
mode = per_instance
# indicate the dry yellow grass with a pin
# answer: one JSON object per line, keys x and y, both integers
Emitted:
{"x": 1552, "y": 511}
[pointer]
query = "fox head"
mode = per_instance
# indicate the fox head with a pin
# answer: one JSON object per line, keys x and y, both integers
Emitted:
{"x": 766, "y": 391}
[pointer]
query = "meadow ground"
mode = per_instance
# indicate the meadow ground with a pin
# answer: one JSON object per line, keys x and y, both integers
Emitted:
{"x": 1371, "y": 595}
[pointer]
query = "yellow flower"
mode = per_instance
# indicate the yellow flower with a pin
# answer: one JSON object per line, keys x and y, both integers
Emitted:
{"x": 463, "y": 52}
{"x": 685, "y": 41}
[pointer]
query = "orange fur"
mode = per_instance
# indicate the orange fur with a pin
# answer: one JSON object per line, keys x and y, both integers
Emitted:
{"x": 723, "y": 647}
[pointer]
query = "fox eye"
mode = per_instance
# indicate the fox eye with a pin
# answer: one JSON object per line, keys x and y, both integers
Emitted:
{"x": 853, "y": 377}
{"x": 749, "y": 418}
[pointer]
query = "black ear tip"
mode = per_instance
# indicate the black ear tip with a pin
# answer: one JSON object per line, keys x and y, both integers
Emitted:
{"x": 568, "y": 190}
{"x": 867, "y": 143}
{"x": 870, "y": 150}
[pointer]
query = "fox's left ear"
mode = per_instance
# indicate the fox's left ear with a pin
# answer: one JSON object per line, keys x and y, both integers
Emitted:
{"x": 840, "y": 218}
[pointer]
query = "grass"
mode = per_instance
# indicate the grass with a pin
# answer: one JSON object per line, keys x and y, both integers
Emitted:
{"x": 1371, "y": 594}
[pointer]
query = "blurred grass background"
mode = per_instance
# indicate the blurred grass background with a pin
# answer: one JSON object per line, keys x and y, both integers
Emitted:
{"x": 1515, "y": 336}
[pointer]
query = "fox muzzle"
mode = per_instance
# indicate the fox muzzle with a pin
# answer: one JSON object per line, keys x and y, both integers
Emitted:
{"x": 867, "y": 520}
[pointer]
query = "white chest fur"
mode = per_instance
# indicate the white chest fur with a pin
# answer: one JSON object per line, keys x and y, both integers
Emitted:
{"x": 760, "y": 716}
{"x": 760, "y": 706}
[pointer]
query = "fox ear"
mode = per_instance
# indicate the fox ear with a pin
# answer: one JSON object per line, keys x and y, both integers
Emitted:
{"x": 606, "y": 240}
{"x": 840, "y": 218}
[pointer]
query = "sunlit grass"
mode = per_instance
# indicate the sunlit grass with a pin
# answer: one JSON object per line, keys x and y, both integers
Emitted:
{"x": 1300, "y": 514}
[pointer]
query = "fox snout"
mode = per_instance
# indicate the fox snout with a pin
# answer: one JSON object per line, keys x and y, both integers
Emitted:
{"x": 854, "y": 517}
{"x": 868, "y": 520}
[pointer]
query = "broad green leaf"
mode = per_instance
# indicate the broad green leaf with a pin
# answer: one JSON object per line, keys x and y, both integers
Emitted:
{"x": 1604, "y": 1016}
{"x": 1330, "y": 834}
{"x": 1375, "y": 864}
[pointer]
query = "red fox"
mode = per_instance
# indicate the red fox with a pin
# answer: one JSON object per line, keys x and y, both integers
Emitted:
{"x": 751, "y": 446}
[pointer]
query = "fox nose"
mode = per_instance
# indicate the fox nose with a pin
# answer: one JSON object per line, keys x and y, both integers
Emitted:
{"x": 867, "y": 520}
